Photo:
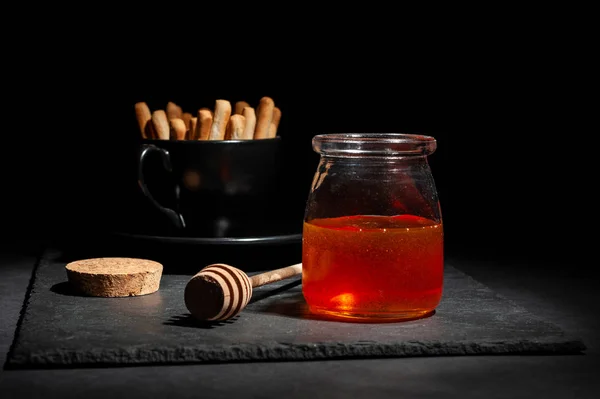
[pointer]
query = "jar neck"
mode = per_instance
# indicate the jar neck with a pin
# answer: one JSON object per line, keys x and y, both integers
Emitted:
{"x": 374, "y": 145}
{"x": 372, "y": 159}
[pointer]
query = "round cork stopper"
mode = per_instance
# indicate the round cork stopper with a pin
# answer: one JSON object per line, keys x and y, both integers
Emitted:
{"x": 115, "y": 277}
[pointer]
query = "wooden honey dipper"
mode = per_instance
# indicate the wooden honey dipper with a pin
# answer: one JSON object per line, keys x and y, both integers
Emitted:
{"x": 219, "y": 291}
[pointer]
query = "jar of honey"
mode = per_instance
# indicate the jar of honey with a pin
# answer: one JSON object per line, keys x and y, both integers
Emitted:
{"x": 372, "y": 244}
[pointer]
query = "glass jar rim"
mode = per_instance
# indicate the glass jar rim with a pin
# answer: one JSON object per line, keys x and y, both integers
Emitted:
{"x": 374, "y": 144}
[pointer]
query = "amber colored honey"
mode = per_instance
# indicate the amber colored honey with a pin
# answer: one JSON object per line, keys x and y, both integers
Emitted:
{"x": 364, "y": 267}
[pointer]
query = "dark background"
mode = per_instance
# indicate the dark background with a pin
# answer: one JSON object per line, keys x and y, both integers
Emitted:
{"x": 507, "y": 92}
{"x": 511, "y": 163}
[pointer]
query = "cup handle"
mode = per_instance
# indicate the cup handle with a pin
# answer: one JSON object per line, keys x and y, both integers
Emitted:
{"x": 174, "y": 217}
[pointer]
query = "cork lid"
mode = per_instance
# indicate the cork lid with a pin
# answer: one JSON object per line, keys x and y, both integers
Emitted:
{"x": 115, "y": 277}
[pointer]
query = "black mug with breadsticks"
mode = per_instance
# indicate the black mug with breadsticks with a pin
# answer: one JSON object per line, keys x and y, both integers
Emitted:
{"x": 214, "y": 174}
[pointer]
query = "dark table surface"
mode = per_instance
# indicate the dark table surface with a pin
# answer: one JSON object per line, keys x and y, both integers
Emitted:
{"x": 559, "y": 292}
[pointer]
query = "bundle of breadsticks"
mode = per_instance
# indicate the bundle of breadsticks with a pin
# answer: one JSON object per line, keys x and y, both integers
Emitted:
{"x": 243, "y": 122}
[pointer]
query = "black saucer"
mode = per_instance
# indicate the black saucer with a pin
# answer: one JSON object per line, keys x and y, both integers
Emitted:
{"x": 252, "y": 240}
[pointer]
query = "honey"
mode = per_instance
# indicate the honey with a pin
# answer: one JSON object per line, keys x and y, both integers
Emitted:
{"x": 373, "y": 267}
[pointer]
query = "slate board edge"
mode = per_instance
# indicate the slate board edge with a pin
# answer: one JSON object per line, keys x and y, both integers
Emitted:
{"x": 288, "y": 352}
{"x": 41, "y": 259}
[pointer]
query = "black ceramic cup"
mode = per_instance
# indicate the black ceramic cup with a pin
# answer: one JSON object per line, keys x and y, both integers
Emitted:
{"x": 214, "y": 188}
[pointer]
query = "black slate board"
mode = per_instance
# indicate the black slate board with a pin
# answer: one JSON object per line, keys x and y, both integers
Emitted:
{"x": 60, "y": 329}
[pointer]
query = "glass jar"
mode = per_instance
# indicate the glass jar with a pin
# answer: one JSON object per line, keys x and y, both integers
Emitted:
{"x": 372, "y": 245}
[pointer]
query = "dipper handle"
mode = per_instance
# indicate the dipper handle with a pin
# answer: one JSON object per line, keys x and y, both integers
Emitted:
{"x": 276, "y": 275}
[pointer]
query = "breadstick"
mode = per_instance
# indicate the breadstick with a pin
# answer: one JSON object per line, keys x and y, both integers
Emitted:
{"x": 239, "y": 107}
{"x": 160, "y": 123}
{"x": 274, "y": 122}
{"x": 177, "y": 129}
{"x": 264, "y": 115}
{"x": 143, "y": 115}
{"x": 191, "y": 132}
{"x": 250, "y": 117}
{"x": 186, "y": 116}
{"x": 221, "y": 116}
{"x": 235, "y": 127}
{"x": 172, "y": 111}
{"x": 205, "y": 119}
{"x": 150, "y": 131}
